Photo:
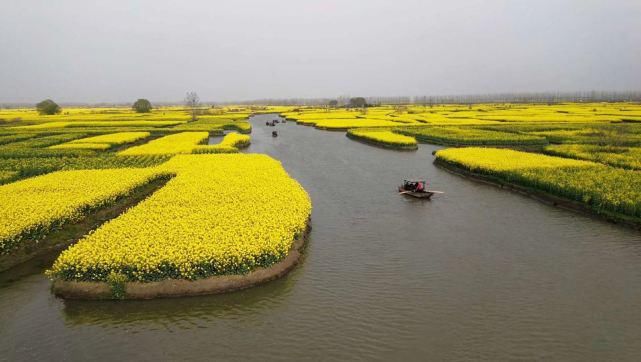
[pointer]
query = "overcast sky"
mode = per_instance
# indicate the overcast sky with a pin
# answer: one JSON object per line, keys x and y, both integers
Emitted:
{"x": 117, "y": 51}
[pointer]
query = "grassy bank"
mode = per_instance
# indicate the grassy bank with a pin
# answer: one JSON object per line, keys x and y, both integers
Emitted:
{"x": 604, "y": 190}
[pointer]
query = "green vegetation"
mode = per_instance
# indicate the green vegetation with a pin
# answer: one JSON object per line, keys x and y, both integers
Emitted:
{"x": 604, "y": 189}
{"x": 90, "y": 138}
{"x": 142, "y": 106}
{"x": 469, "y": 136}
{"x": 624, "y": 157}
{"x": 48, "y": 107}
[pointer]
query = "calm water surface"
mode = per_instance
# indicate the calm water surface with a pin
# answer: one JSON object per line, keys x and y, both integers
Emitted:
{"x": 477, "y": 273}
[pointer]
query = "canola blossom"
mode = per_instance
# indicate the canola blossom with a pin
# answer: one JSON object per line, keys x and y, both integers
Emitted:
{"x": 220, "y": 214}
{"x": 33, "y": 207}
{"x": 9, "y": 138}
{"x": 231, "y": 143}
{"x": 494, "y": 159}
{"x": 32, "y": 166}
{"x": 344, "y": 124}
{"x": 215, "y": 125}
{"x": 7, "y": 176}
{"x": 80, "y": 146}
{"x": 470, "y": 136}
{"x": 385, "y": 138}
{"x": 103, "y": 142}
{"x": 68, "y": 124}
{"x": 183, "y": 142}
{"x": 114, "y": 138}
{"x": 624, "y": 157}
{"x": 596, "y": 114}
{"x": 33, "y": 144}
{"x": 604, "y": 189}
{"x": 45, "y": 141}
{"x": 590, "y": 135}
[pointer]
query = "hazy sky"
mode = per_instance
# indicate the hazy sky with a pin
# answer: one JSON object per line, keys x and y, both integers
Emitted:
{"x": 115, "y": 51}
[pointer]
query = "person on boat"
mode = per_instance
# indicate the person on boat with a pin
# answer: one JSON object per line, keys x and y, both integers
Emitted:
{"x": 410, "y": 186}
{"x": 420, "y": 187}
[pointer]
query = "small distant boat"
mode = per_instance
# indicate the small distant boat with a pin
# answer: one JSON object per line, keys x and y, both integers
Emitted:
{"x": 416, "y": 188}
{"x": 274, "y": 134}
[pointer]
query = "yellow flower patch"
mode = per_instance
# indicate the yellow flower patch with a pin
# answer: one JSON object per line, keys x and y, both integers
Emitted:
{"x": 33, "y": 207}
{"x": 183, "y": 142}
{"x": 221, "y": 214}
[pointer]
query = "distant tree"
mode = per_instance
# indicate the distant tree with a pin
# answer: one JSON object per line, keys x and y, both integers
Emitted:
{"x": 142, "y": 106}
{"x": 192, "y": 101}
{"x": 48, "y": 107}
{"x": 400, "y": 109}
{"x": 357, "y": 102}
{"x": 333, "y": 103}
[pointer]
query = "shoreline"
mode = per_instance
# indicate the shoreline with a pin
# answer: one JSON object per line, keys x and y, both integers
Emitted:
{"x": 542, "y": 196}
{"x": 176, "y": 288}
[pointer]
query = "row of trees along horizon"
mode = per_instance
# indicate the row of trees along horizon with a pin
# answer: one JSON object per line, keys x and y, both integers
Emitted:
{"x": 192, "y": 100}
{"x": 531, "y": 97}
{"x": 141, "y": 105}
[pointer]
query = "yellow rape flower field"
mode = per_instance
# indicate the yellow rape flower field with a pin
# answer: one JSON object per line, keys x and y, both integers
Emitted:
{"x": 183, "y": 142}
{"x": 103, "y": 142}
{"x": 114, "y": 138}
{"x": 602, "y": 188}
{"x": 470, "y": 136}
{"x": 493, "y": 159}
{"x": 216, "y": 216}
{"x": 70, "y": 124}
{"x": 230, "y": 144}
{"x": 384, "y": 137}
{"x": 617, "y": 156}
{"x": 34, "y": 207}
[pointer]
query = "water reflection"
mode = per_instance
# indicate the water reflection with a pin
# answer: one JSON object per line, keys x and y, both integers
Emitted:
{"x": 179, "y": 313}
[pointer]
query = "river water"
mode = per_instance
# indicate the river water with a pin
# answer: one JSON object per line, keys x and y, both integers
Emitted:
{"x": 476, "y": 273}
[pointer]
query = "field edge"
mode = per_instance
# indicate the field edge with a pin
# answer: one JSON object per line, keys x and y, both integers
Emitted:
{"x": 174, "y": 288}
{"x": 542, "y": 196}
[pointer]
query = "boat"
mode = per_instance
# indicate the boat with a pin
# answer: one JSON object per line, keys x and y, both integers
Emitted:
{"x": 416, "y": 188}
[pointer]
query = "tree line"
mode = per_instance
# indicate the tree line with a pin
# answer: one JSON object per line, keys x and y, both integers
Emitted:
{"x": 192, "y": 101}
{"x": 532, "y": 97}
{"x": 48, "y": 107}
